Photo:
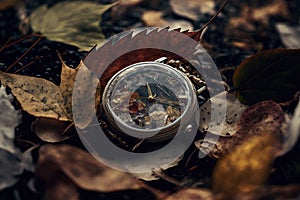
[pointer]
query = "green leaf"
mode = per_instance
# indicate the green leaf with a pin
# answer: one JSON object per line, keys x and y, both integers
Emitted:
{"x": 268, "y": 75}
{"x": 73, "y": 22}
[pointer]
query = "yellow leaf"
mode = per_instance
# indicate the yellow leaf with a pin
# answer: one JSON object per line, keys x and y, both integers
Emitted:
{"x": 37, "y": 96}
{"x": 246, "y": 167}
{"x": 72, "y": 22}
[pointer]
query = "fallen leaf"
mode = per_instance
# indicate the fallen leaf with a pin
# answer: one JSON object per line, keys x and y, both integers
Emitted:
{"x": 234, "y": 110}
{"x": 191, "y": 193}
{"x": 155, "y": 19}
{"x": 87, "y": 172}
{"x": 42, "y": 98}
{"x": 37, "y": 96}
{"x": 67, "y": 79}
{"x": 50, "y": 130}
{"x": 289, "y": 35}
{"x": 268, "y": 75}
{"x": 261, "y": 118}
{"x": 246, "y": 167}
{"x": 133, "y": 47}
{"x": 193, "y": 9}
{"x": 72, "y": 22}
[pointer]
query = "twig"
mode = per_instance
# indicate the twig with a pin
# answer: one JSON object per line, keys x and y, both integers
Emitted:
{"x": 21, "y": 57}
{"x": 213, "y": 17}
{"x": 20, "y": 40}
{"x": 25, "y": 66}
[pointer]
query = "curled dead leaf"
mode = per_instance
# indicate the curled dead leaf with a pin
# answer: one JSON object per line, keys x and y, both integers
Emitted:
{"x": 50, "y": 130}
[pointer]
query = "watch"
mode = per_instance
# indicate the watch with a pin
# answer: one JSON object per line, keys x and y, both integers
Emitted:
{"x": 149, "y": 100}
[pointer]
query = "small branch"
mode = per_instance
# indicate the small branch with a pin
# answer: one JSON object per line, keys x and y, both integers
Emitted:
{"x": 24, "y": 54}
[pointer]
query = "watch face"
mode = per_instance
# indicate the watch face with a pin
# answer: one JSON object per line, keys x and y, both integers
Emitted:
{"x": 147, "y": 96}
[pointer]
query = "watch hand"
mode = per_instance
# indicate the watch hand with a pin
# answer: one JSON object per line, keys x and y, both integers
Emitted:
{"x": 163, "y": 100}
{"x": 150, "y": 95}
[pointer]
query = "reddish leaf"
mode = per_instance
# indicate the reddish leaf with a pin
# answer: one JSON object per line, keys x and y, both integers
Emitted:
{"x": 143, "y": 46}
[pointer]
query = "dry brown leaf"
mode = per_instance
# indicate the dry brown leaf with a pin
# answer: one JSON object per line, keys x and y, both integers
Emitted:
{"x": 155, "y": 19}
{"x": 259, "y": 119}
{"x": 88, "y": 173}
{"x": 67, "y": 79}
{"x": 193, "y": 9}
{"x": 192, "y": 193}
{"x": 42, "y": 98}
{"x": 246, "y": 167}
{"x": 37, "y": 96}
{"x": 50, "y": 130}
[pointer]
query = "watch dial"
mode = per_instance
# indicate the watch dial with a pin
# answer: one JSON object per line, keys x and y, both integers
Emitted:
{"x": 147, "y": 96}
